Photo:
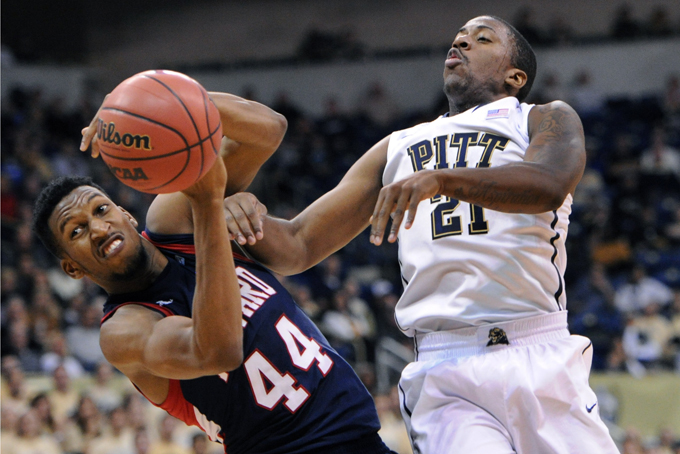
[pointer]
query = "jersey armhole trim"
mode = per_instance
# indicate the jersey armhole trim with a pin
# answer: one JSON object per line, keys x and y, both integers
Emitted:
{"x": 175, "y": 404}
{"x": 160, "y": 309}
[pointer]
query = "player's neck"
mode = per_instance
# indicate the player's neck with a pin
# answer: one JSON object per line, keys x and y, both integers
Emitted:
{"x": 140, "y": 278}
{"x": 461, "y": 104}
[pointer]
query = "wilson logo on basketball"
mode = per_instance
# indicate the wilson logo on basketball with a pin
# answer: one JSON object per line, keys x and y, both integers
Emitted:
{"x": 107, "y": 133}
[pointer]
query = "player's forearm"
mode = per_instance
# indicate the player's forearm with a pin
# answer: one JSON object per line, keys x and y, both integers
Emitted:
{"x": 249, "y": 122}
{"x": 217, "y": 331}
{"x": 514, "y": 188}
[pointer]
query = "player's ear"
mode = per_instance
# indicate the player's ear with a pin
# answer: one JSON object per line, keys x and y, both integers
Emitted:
{"x": 129, "y": 216}
{"x": 72, "y": 269}
{"x": 515, "y": 79}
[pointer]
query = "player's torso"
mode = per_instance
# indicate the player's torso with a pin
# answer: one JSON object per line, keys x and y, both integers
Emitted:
{"x": 462, "y": 264}
{"x": 291, "y": 392}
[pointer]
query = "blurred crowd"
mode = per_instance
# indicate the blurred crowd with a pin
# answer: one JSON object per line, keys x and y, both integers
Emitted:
{"x": 623, "y": 274}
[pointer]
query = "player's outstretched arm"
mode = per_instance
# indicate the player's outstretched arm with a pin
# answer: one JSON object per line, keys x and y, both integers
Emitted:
{"x": 145, "y": 346}
{"x": 252, "y": 134}
{"x": 292, "y": 246}
{"x": 552, "y": 167}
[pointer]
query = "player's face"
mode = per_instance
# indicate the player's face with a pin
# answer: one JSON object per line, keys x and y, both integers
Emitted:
{"x": 479, "y": 59}
{"x": 98, "y": 238}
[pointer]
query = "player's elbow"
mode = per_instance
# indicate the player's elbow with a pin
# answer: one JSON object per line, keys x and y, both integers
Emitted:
{"x": 276, "y": 128}
{"x": 224, "y": 358}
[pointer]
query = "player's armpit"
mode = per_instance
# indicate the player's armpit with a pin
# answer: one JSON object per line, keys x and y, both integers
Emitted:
{"x": 557, "y": 142}
{"x": 137, "y": 339}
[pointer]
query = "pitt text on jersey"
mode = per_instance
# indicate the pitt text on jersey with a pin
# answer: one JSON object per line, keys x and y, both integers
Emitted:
{"x": 444, "y": 222}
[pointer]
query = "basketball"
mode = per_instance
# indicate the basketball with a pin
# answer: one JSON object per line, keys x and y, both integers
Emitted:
{"x": 159, "y": 132}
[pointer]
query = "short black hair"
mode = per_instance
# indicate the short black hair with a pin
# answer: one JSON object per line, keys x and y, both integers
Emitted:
{"x": 523, "y": 57}
{"x": 47, "y": 200}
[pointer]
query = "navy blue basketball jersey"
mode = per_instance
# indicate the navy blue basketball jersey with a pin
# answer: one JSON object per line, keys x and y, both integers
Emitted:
{"x": 292, "y": 394}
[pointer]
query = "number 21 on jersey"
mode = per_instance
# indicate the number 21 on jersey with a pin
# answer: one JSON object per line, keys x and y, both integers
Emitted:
{"x": 444, "y": 222}
{"x": 282, "y": 386}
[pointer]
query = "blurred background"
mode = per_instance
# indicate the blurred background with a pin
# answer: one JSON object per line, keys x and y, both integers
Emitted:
{"x": 345, "y": 74}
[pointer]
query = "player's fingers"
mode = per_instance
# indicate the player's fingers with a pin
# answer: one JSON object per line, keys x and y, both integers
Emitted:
{"x": 381, "y": 214}
{"x": 233, "y": 226}
{"x": 413, "y": 203}
{"x": 94, "y": 145}
{"x": 251, "y": 221}
{"x": 398, "y": 214}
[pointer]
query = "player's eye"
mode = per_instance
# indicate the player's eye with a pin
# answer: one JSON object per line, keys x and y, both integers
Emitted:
{"x": 75, "y": 232}
{"x": 482, "y": 38}
{"x": 102, "y": 208}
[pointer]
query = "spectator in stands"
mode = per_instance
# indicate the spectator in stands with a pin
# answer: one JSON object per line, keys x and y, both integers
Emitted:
{"x": 83, "y": 338}
{"x": 665, "y": 442}
{"x": 118, "y": 439}
{"x": 525, "y": 24}
{"x": 14, "y": 396}
{"x": 30, "y": 440}
{"x": 58, "y": 354}
{"x": 646, "y": 335}
{"x": 142, "y": 443}
{"x": 560, "y": 33}
{"x": 378, "y": 107}
{"x": 9, "y": 424}
{"x": 302, "y": 295}
{"x": 343, "y": 329}
{"x": 633, "y": 442}
{"x": 673, "y": 346}
{"x": 83, "y": 427}
{"x": 598, "y": 319}
{"x": 671, "y": 95}
{"x": 660, "y": 160}
{"x": 659, "y": 23}
{"x": 624, "y": 26}
{"x": 641, "y": 291}
{"x": 550, "y": 89}
{"x": 585, "y": 98}
{"x": 392, "y": 428}
{"x": 63, "y": 397}
{"x": 102, "y": 392}
{"x": 166, "y": 443}
{"x": 199, "y": 444}
{"x": 43, "y": 408}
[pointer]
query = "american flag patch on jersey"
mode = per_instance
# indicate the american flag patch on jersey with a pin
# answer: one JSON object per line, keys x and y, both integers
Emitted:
{"x": 497, "y": 113}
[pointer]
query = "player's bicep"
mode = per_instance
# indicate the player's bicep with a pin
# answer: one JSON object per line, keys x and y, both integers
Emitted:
{"x": 138, "y": 339}
{"x": 170, "y": 214}
{"x": 557, "y": 143}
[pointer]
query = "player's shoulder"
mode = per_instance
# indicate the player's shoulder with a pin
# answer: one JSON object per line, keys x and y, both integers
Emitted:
{"x": 544, "y": 116}
{"x": 124, "y": 330}
{"x": 170, "y": 214}
{"x": 559, "y": 106}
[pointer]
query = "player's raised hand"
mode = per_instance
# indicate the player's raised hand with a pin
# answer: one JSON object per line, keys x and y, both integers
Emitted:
{"x": 90, "y": 134}
{"x": 244, "y": 213}
{"x": 399, "y": 197}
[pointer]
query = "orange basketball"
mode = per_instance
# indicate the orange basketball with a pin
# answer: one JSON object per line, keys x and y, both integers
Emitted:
{"x": 159, "y": 132}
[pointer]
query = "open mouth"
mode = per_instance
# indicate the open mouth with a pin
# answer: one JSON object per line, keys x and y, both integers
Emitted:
{"x": 111, "y": 245}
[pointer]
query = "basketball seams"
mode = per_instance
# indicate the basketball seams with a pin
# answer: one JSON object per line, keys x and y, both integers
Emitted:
{"x": 128, "y": 160}
{"x": 141, "y": 117}
{"x": 189, "y": 113}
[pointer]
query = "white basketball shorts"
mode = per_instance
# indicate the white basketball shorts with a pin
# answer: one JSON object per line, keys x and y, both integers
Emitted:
{"x": 515, "y": 387}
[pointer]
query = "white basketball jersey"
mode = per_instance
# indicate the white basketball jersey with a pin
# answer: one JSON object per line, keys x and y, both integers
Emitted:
{"x": 463, "y": 265}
